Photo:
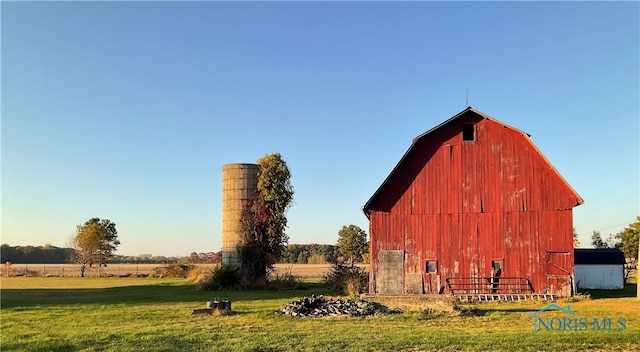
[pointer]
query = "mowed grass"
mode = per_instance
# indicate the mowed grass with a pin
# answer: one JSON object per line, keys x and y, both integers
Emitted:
{"x": 141, "y": 314}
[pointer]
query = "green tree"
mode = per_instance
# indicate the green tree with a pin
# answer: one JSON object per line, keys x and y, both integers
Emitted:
{"x": 596, "y": 240}
{"x": 274, "y": 186}
{"x": 316, "y": 258}
{"x": 7, "y": 253}
{"x": 629, "y": 239}
{"x": 576, "y": 242}
{"x": 291, "y": 252}
{"x": 352, "y": 242}
{"x": 263, "y": 220}
{"x": 303, "y": 258}
{"x": 612, "y": 241}
{"x": 94, "y": 243}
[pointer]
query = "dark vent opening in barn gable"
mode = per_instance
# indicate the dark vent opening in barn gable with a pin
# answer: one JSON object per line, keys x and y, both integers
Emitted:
{"x": 468, "y": 132}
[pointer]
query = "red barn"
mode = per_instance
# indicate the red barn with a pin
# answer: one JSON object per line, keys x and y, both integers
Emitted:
{"x": 472, "y": 208}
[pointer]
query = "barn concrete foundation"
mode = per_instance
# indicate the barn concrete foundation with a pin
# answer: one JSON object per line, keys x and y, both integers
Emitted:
{"x": 443, "y": 303}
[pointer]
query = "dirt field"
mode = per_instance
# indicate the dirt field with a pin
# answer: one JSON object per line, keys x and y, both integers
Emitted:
{"x": 306, "y": 271}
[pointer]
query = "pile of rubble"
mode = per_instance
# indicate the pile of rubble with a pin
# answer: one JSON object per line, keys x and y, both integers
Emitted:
{"x": 320, "y": 307}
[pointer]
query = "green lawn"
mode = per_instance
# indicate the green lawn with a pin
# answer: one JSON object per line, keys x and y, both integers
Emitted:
{"x": 76, "y": 314}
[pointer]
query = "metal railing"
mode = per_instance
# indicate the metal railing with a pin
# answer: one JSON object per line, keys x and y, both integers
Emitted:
{"x": 489, "y": 285}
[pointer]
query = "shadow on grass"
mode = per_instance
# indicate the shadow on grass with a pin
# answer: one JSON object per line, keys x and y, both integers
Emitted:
{"x": 478, "y": 310}
{"x": 629, "y": 290}
{"x": 152, "y": 294}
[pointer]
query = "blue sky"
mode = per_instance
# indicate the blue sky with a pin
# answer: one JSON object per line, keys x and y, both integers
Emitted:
{"x": 129, "y": 110}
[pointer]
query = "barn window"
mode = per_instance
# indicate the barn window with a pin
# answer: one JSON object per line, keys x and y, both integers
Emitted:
{"x": 469, "y": 132}
{"x": 431, "y": 266}
{"x": 496, "y": 265}
{"x": 496, "y": 272}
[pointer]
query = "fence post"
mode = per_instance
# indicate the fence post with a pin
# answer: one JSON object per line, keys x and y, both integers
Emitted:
{"x": 25, "y": 271}
{"x": 44, "y": 271}
{"x": 62, "y": 275}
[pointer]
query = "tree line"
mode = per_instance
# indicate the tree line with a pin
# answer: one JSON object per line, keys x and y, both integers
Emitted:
{"x": 626, "y": 240}
{"x": 352, "y": 246}
{"x": 48, "y": 254}
{"x": 309, "y": 253}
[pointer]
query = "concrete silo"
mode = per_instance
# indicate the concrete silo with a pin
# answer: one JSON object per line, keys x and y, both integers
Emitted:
{"x": 239, "y": 184}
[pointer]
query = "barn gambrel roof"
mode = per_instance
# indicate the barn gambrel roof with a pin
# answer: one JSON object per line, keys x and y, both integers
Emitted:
{"x": 407, "y": 154}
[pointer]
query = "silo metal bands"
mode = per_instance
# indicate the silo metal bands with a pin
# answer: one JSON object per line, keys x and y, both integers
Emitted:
{"x": 239, "y": 184}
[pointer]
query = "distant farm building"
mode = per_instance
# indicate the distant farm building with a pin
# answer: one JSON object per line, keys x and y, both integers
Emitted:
{"x": 473, "y": 207}
{"x": 599, "y": 268}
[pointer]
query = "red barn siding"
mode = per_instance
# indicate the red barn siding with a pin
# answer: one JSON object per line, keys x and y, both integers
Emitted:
{"x": 466, "y": 203}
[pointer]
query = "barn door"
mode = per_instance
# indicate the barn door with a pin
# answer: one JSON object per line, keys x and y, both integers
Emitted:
{"x": 559, "y": 275}
{"x": 390, "y": 279}
{"x": 432, "y": 283}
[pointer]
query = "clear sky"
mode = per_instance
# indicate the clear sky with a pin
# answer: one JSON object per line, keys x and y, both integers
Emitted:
{"x": 128, "y": 110}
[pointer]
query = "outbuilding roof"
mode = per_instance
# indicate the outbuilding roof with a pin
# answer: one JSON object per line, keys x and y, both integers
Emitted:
{"x": 599, "y": 256}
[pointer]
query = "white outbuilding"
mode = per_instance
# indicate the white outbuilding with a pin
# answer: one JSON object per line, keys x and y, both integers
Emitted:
{"x": 599, "y": 268}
